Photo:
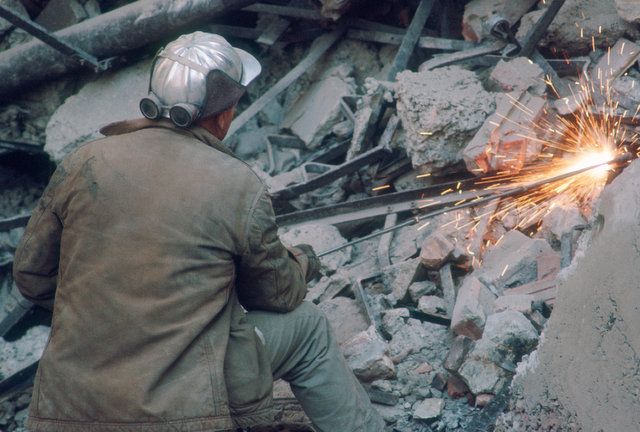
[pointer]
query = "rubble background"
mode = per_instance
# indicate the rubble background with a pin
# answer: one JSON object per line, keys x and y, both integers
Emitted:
{"x": 436, "y": 321}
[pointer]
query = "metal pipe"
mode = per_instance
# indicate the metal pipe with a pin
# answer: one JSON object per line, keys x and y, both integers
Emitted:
{"x": 110, "y": 34}
{"x": 511, "y": 192}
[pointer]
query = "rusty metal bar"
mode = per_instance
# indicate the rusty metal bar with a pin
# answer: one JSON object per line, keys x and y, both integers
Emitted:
{"x": 326, "y": 178}
{"x": 410, "y": 38}
{"x": 481, "y": 200}
{"x": 538, "y": 31}
{"x": 382, "y": 205}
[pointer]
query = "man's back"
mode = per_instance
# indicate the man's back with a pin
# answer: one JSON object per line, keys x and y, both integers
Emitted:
{"x": 150, "y": 224}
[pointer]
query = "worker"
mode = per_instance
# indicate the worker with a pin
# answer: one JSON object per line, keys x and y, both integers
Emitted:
{"x": 175, "y": 305}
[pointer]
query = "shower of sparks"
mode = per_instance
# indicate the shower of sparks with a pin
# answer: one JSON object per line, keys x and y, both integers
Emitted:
{"x": 594, "y": 134}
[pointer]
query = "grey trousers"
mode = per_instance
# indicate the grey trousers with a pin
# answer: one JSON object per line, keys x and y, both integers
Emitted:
{"x": 304, "y": 352}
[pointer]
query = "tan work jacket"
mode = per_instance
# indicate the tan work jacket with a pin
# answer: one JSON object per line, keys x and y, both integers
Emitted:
{"x": 146, "y": 239}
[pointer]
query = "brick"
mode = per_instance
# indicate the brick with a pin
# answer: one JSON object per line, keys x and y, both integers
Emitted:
{"x": 456, "y": 388}
{"x": 436, "y": 250}
{"x": 505, "y": 140}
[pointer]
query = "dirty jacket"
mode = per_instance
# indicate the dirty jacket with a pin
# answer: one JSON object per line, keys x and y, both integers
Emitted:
{"x": 143, "y": 244}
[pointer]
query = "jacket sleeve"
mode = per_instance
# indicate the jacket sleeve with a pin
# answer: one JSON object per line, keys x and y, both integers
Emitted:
{"x": 35, "y": 265}
{"x": 269, "y": 276}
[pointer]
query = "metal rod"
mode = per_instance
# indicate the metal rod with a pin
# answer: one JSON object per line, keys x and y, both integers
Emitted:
{"x": 410, "y": 39}
{"x": 536, "y": 33}
{"x": 511, "y": 192}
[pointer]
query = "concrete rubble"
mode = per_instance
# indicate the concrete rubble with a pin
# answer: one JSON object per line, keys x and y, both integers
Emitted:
{"x": 440, "y": 110}
{"x": 438, "y": 323}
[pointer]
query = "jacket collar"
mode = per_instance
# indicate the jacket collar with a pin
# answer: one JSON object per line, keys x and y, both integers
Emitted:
{"x": 200, "y": 133}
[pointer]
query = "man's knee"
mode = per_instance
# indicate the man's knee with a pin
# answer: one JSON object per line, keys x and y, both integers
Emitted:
{"x": 316, "y": 321}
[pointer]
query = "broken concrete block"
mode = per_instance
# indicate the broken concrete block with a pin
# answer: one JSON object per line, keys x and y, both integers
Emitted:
{"x": 433, "y": 305}
{"x": 512, "y": 262}
{"x": 317, "y": 110}
{"x": 479, "y": 16}
{"x": 114, "y": 96}
{"x": 398, "y": 277}
{"x": 481, "y": 376}
{"x": 440, "y": 110}
{"x": 394, "y": 319}
{"x": 511, "y": 331}
{"x": 548, "y": 265}
{"x": 328, "y": 287}
{"x": 474, "y": 303}
{"x": 345, "y": 316}
{"x": 456, "y": 388}
{"x": 422, "y": 288}
{"x": 519, "y": 74}
{"x": 459, "y": 349}
{"x": 366, "y": 355}
{"x": 428, "y": 409}
{"x": 522, "y": 303}
{"x": 626, "y": 90}
{"x": 560, "y": 220}
{"x": 618, "y": 60}
{"x": 436, "y": 250}
{"x": 320, "y": 237}
{"x": 505, "y": 142}
{"x": 576, "y": 23}
{"x": 416, "y": 336}
{"x": 628, "y": 10}
{"x": 59, "y": 14}
{"x": 405, "y": 243}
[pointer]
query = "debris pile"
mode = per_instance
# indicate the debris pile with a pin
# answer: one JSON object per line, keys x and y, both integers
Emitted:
{"x": 448, "y": 165}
